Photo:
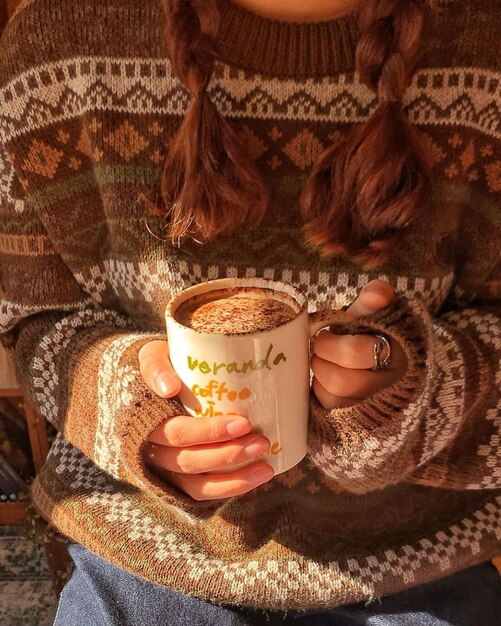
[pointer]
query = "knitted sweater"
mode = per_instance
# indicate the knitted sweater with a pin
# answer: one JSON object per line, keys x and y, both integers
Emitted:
{"x": 397, "y": 490}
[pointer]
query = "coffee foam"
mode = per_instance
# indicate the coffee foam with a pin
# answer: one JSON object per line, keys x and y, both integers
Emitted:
{"x": 240, "y": 310}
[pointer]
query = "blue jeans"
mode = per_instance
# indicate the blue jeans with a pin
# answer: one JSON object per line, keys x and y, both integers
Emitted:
{"x": 100, "y": 594}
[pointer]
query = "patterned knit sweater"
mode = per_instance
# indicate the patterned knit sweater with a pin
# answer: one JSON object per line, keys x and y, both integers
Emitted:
{"x": 400, "y": 489}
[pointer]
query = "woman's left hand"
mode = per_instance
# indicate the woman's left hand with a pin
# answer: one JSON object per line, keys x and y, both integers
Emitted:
{"x": 342, "y": 364}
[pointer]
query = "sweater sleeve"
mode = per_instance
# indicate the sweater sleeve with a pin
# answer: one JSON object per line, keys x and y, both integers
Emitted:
{"x": 440, "y": 425}
{"x": 76, "y": 359}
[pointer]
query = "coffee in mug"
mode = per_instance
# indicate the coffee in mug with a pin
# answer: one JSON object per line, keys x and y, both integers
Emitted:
{"x": 242, "y": 346}
{"x": 236, "y": 311}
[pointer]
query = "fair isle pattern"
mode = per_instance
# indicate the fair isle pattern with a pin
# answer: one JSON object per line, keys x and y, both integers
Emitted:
{"x": 130, "y": 280}
{"x": 366, "y": 469}
{"x": 488, "y": 327}
{"x": 20, "y": 245}
{"x": 82, "y": 475}
{"x": 7, "y": 177}
{"x": 334, "y": 289}
{"x": 73, "y": 87}
{"x": 146, "y": 279}
{"x": 278, "y": 581}
{"x": 45, "y": 364}
{"x": 444, "y": 415}
{"x": 93, "y": 282}
{"x": 492, "y": 451}
{"x": 11, "y": 313}
{"x": 114, "y": 382}
{"x": 406, "y": 485}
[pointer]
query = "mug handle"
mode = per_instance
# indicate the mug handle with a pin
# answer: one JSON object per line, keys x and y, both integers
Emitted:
{"x": 329, "y": 317}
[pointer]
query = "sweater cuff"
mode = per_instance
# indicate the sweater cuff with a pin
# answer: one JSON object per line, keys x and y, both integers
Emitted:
{"x": 369, "y": 445}
{"x": 139, "y": 411}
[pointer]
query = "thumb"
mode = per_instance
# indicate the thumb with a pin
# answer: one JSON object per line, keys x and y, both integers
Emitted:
{"x": 376, "y": 295}
{"x": 156, "y": 369}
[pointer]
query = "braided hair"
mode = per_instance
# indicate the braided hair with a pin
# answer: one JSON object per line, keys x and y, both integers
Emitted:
{"x": 210, "y": 185}
{"x": 362, "y": 192}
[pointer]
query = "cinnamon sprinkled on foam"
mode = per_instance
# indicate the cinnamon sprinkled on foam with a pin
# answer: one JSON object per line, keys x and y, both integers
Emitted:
{"x": 238, "y": 311}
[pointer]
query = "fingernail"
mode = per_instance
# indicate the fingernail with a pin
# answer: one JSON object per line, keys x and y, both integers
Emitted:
{"x": 262, "y": 475}
{"x": 238, "y": 427}
{"x": 164, "y": 384}
{"x": 256, "y": 447}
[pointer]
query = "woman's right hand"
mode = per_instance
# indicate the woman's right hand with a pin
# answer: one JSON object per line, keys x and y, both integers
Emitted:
{"x": 183, "y": 448}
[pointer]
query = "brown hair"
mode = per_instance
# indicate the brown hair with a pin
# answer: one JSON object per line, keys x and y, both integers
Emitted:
{"x": 361, "y": 193}
{"x": 209, "y": 184}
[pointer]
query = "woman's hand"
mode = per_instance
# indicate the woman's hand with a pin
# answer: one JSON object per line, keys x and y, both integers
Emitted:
{"x": 342, "y": 363}
{"x": 183, "y": 448}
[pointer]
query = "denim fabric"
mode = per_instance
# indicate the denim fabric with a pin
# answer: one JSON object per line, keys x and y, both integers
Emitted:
{"x": 100, "y": 594}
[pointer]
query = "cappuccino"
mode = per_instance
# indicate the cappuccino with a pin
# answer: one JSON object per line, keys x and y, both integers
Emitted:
{"x": 236, "y": 311}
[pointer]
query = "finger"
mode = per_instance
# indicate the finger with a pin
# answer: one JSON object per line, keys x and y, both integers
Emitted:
{"x": 184, "y": 430}
{"x": 376, "y": 295}
{"x": 354, "y": 351}
{"x": 214, "y": 486}
{"x": 330, "y": 401}
{"x": 207, "y": 458}
{"x": 156, "y": 369}
{"x": 359, "y": 384}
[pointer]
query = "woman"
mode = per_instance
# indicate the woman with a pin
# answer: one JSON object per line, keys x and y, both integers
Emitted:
{"x": 350, "y": 148}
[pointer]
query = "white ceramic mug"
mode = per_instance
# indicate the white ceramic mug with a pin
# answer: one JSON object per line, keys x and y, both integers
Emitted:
{"x": 264, "y": 375}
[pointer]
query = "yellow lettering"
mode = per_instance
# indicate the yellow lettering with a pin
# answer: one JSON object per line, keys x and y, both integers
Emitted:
{"x": 204, "y": 367}
{"x": 212, "y": 411}
{"x": 280, "y": 357}
{"x": 248, "y": 365}
{"x": 264, "y": 362}
{"x": 222, "y": 390}
{"x": 218, "y": 391}
{"x": 238, "y": 368}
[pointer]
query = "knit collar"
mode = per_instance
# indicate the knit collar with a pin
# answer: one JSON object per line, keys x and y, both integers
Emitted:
{"x": 279, "y": 48}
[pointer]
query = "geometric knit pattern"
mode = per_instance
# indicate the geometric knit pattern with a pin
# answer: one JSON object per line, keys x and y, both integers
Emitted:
{"x": 120, "y": 85}
{"x": 396, "y": 490}
{"x": 322, "y": 582}
{"x": 131, "y": 281}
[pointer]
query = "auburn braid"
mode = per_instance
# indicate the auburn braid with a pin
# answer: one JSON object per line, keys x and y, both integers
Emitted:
{"x": 364, "y": 191}
{"x": 209, "y": 185}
